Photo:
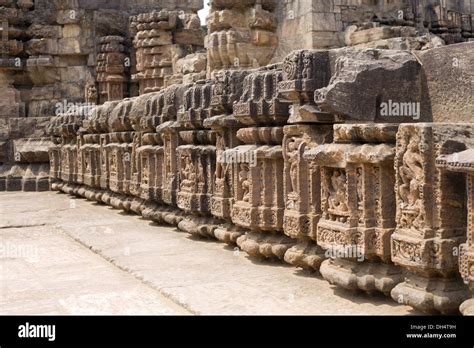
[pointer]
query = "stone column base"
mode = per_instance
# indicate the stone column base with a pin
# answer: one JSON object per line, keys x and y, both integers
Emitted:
{"x": 467, "y": 307}
{"x": 365, "y": 276}
{"x": 228, "y": 234}
{"x": 149, "y": 210}
{"x": 306, "y": 255}
{"x": 431, "y": 295}
{"x": 199, "y": 226}
{"x": 265, "y": 245}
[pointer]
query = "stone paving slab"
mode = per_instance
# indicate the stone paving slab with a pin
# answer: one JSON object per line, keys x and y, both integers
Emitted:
{"x": 94, "y": 259}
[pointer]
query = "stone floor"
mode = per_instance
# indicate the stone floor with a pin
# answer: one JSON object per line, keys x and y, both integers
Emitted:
{"x": 61, "y": 255}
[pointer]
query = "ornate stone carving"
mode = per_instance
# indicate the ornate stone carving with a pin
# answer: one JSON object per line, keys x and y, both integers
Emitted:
{"x": 255, "y": 156}
{"x": 197, "y": 154}
{"x": 258, "y": 163}
{"x": 430, "y": 218}
{"x": 226, "y": 90}
{"x": 358, "y": 206}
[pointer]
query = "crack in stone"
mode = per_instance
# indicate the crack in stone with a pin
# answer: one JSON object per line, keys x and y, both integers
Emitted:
{"x": 127, "y": 270}
{"x": 21, "y": 226}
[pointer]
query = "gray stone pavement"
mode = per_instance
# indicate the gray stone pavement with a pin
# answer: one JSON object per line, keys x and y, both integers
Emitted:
{"x": 62, "y": 255}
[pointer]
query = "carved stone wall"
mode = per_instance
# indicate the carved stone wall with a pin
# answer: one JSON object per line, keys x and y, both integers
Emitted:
{"x": 358, "y": 207}
{"x": 328, "y": 159}
{"x": 399, "y": 24}
{"x": 160, "y": 39}
{"x": 251, "y": 158}
{"x": 241, "y": 34}
{"x": 431, "y": 220}
{"x": 111, "y": 71}
{"x": 57, "y": 55}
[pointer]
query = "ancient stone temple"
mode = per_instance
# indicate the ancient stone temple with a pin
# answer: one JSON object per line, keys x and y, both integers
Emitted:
{"x": 334, "y": 136}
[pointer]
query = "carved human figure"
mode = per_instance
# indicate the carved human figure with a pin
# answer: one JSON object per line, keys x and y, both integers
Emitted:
{"x": 307, "y": 65}
{"x": 338, "y": 192}
{"x": 113, "y": 163}
{"x": 360, "y": 189}
{"x": 411, "y": 173}
{"x": 201, "y": 178}
{"x": 222, "y": 83}
{"x": 189, "y": 175}
{"x": 244, "y": 181}
{"x": 293, "y": 160}
{"x": 91, "y": 94}
{"x": 221, "y": 165}
{"x": 145, "y": 170}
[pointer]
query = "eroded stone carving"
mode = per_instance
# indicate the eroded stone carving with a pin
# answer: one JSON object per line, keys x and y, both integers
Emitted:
{"x": 430, "y": 226}
{"x": 292, "y": 161}
{"x": 160, "y": 38}
{"x": 358, "y": 207}
{"x": 258, "y": 168}
{"x": 111, "y": 66}
{"x": 241, "y": 35}
{"x": 357, "y": 70}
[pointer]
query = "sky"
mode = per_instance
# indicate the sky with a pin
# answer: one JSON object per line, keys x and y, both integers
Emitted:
{"x": 204, "y": 12}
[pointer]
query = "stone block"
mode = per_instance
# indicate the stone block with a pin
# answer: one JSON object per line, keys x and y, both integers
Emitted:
{"x": 450, "y": 81}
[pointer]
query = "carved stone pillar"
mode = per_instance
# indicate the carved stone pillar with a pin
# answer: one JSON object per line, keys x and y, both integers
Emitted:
{"x": 163, "y": 111}
{"x": 106, "y": 149}
{"x": 304, "y": 71}
{"x": 170, "y": 165}
{"x": 140, "y": 105}
{"x": 258, "y": 165}
{"x": 151, "y": 154}
{"x": 63, "y": 130}
{"x": 227, "y": 89}
{"x": 96, "y": 125}
{"x": 430, "y": 216}
{"x": 196, "y": 156}
{"x": 89, "y": 164}
{"x": 55, "y": 159}
{"x": 147, "y": 154}
{"x": 119, "y": 145}
{"x": 68, "y": 161}
{"x": 111, "y": 69}
{"x": 155, "y": 157}
{"x": 358, "y": 207}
